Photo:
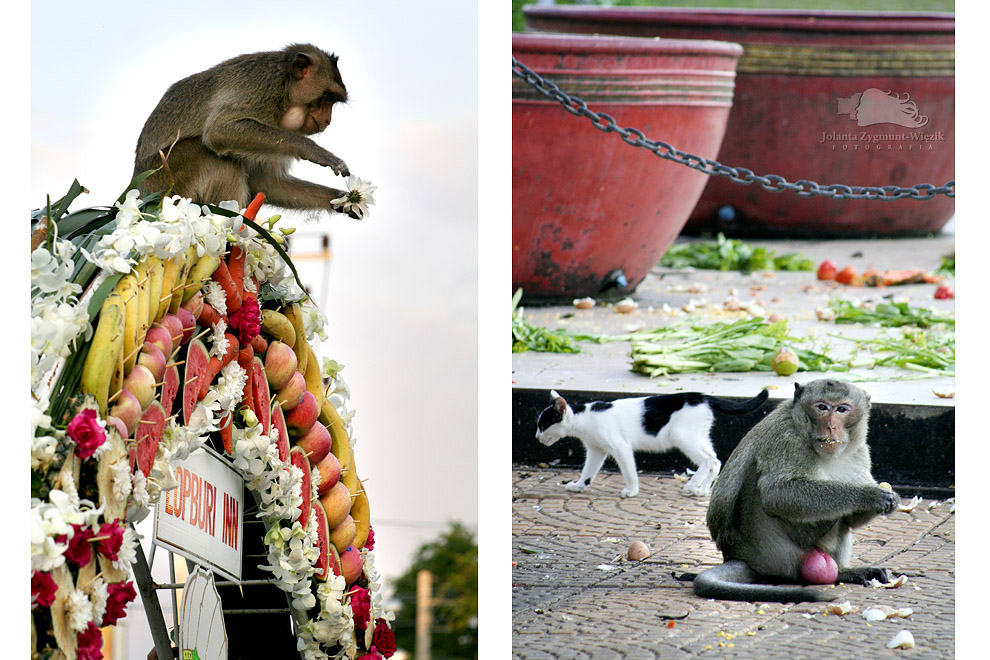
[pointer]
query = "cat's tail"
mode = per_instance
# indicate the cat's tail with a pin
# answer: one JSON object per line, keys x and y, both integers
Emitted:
{"x": 737, "y": 407}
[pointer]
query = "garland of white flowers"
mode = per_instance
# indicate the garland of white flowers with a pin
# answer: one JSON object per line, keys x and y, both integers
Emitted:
{"x": 60, "y": 319}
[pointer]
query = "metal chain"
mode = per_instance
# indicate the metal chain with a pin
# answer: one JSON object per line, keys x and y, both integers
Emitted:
{"x": 740, "y": 175}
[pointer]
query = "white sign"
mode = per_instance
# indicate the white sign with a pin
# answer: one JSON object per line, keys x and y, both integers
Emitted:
{"x": 202, "y": 518}
{"x": 202, "y": 635}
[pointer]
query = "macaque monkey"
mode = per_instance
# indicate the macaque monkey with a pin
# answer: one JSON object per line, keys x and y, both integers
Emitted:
{"x": 233, "y": 130}
{"x": 788, "y": 496}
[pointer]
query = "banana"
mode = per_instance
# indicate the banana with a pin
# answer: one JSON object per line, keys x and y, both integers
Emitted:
{"x": 104, "y": 351}
{"x": 294, "y": 314}
{"x": 313, "y": 375}
{"x": 199, "y": 274}
{"x": 341, "y": 447}
{"x": 189, "y": 260}
{"x": 361, "y": 513}
{"x": 278, "y": 326}
{"x": 144, "y": 300}
{"x": 129, "y": 292}
{"x": 156, "y": 273}
{"x": 117, "y": 380}
{"x": 169, "y": 275}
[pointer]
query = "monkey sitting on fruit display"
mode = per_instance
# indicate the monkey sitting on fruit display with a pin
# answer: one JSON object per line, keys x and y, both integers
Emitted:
{"x": 788, "y": 496}
{"x": 233, "y": 130}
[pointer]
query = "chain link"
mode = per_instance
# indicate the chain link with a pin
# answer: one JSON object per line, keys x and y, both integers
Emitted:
{"x": 770, "y": 182}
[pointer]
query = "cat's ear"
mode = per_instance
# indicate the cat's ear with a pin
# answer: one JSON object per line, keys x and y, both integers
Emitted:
{"x": 554, "y": 396}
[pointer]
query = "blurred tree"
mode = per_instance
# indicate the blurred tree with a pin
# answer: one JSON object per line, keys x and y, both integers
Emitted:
{"x": 453, "y": 560}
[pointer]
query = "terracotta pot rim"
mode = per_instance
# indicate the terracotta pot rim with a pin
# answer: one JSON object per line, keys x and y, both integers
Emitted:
{"x": 802, "y": 20}
{"x": 553, "y": 42}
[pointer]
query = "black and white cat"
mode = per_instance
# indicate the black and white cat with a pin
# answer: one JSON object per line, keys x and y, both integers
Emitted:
{"x": 653, "y": 423}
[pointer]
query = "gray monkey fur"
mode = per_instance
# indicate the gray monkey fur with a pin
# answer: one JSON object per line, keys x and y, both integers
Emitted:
{"x": 784, "y": 491}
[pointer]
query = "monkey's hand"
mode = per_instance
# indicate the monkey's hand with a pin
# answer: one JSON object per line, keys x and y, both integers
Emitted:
{"x": 327, "y": 159}
{"x": 887, "y": 501}
{"x": 575, "y": 486}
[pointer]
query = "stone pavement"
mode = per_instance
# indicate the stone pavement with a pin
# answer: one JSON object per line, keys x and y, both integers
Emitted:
{"x": 574, "y": 595}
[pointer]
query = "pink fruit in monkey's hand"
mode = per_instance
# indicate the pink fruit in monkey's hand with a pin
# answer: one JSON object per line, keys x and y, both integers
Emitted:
{"x": 818, "y": 567}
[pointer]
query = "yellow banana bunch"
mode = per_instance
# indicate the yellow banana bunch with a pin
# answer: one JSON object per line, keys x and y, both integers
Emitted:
{"x": 278, "y": 326}
{"x": 341, "y": 447}
{"x": 294, "y": 314}
{"x": 129, "y": 291}
{"x": 144, "y": 300}
{"x": 361, "y": 513}
{"x": 199, "y": 274}
{"x": 156, "y": 274}
{"x": 104, "y": 351}
{"x": 178, "y": 290}
{"x": 170, "y": 274}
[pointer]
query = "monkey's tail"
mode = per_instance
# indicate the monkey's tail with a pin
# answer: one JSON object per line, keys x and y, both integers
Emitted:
{"x": 737, "y": 407}
{"x": 734, "y": 580}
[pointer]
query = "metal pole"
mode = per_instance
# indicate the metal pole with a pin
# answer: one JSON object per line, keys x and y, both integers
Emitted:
{"x": 152, "y": 608}
{"x": 424, "y": 613}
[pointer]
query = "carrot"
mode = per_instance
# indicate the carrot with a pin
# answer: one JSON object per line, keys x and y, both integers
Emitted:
{"x": 233, "y": 292}
{"x": 208, "y": 316}
{"x": 236, "y": 267}
{"x": 245, "y": 358}
{"x": 252, "y": 210}
{"x": 216, "y": 364}
{"x": 227, "y": 434}
{"x": 259, "y": 344}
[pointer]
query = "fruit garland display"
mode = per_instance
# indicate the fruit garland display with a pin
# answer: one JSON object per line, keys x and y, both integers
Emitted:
{"x": 158, "y": 327}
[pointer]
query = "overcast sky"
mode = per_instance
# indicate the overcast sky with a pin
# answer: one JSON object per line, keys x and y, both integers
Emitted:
{"x": 401, "y": 289}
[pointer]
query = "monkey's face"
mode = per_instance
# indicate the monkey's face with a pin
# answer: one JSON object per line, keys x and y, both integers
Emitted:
{"x": 831, "y": 421}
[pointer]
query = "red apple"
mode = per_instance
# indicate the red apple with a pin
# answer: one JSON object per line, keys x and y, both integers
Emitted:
{"x": 329, "y": 469}
{"x": 280, "y": 364}
{"x": 152, "y": 357}
{"x": 291, "y": 394}
{"x": 351, "y": 564}
{"x": 175, "y": 328}
{"x": 194, "y": 305}
{"x": 127, "y": 409}
{"x": 316, "y": 443}
{"x": 300, "y": 419}
{"x": 117, "y": 423}
{"x": 141, "y": 382}
{"x": 337, "y": 503}
{"x": 188, "y": 320}
{"x": 343, "y": 534}
{"x": 159, "y": 335}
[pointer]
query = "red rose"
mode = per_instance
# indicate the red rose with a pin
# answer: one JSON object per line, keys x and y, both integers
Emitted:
{"x": 246, "y": 320}
{"x": 361, "y": 607}
{"x": 371, "y": 655}
{"x": 109, "y": 547}
{"x": 383, "y": 639}
{"x": 87, "y": 433}
{"x": 80, "y": 551}
{"x": 370, "y": 543}
{"x": 43, "y": 589}
{"x": 119, "y": 594}
{"x": 90, "y": 643}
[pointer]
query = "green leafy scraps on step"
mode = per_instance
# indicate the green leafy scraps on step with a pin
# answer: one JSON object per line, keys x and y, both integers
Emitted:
{"x": 731, "y": 254}
{"x": 526, "y": 337}
{"x": 686, "y": 347}
{"x": 889, "y": 315}
{"x": 929, "y": 352}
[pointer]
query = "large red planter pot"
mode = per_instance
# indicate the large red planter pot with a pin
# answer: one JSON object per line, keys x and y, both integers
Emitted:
{"x": 801, "y": 69}
{"x": 591, "y": 215}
